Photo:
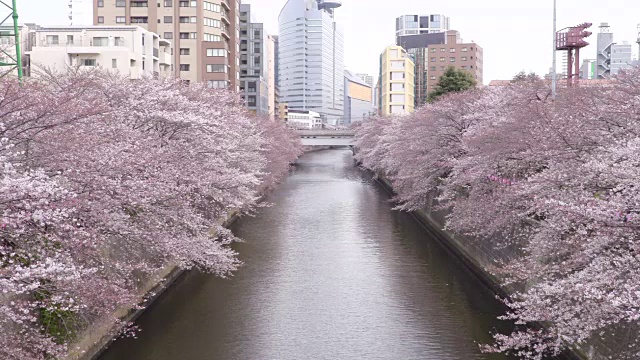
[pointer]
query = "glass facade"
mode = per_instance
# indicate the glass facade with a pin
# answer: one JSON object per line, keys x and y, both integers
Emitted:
{"x": 311, "y": 59}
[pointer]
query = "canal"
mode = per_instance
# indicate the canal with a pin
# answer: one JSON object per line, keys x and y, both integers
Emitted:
{"x": 330, "y": 272}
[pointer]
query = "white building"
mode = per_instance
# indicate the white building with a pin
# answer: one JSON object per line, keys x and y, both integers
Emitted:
{"x": 421, "y": 24}
{"x": 81, "y": 12}
{"x": 129, "y": 50}
{"x": 300, "y": 119}
{"x": 621, "y": 57}
{"x": 311, "y": 58}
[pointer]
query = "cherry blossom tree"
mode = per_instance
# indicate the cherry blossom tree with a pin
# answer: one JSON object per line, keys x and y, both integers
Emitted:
{"x": 105, "y": 181}
{"x": 556, "y": 179}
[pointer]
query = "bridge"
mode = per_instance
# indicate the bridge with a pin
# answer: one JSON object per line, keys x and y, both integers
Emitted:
{"x": 326, "y": 137}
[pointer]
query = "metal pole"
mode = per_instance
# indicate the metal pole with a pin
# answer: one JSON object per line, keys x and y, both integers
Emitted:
{"x": 553, "y": 67}
{"x": 17, "y": 39}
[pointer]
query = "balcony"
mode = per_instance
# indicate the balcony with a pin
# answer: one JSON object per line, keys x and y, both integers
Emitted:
{"x": 86, "y": 43}
{"x": 225, "y": 17}
{"x": 225, "y": 4}
{"x": 225, "y": 31}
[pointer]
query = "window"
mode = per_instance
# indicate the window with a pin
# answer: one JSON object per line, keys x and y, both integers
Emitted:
{"x": 100, "y": 41}
{"x": 168, "y": 19}
{"x": 194, "y": 3}
{"x": 184, "y": 35}
{"x": 88, "y": 62}
{"x": 193, "y": 19}
{"x": 193, "y": 35}
{"x": 69, "y": 39}
{"x": 121, "y": 3}
{"x": 114, "y": 63}
{"x": 433, "y": 68}
{"x": 433, "y": 59}
{"x": 121, "y": 19}
{"x": 211, "y": 37}
{"x": 184, "y": 19}
{"x": 433, "y": 50}
{"x": 452, "y": 59}
{"x": 464, "y": 58}
{"x": 139, "y": 4}
{"x": 464, "y": 49}
{"x": 217, "y": 84}
{"x": 185, "y": 67}
{"x": 100, "y": 3}
{"x": 212, "y": 22}
{"x": 185, "y": 51}
{"x": 215, "y": 68}
{"x": 433, "y": 77}
{"x": 397, "y": 98}
{"x": 396, "y": 75}
{"x": 211, "y": 7}
{"x": 443, "y": 50}
{"x": 217, "y": 52}
{"x": 119, "y": 41}
{"x": 397, "y": 87}
{"x": 184, "y": 4}
{"x": 168, "y": 35}
{"x": 168, "y": 3}
{"x": 442, "y": 59}
{"x": 452, "y": 50}
{"x": 100, "y": 19}
{"x": 441, "y": 68}
{"x": 139, "y": 19}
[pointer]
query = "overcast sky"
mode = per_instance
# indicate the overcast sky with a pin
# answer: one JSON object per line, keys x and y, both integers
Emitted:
{"x": 515, "y": 34}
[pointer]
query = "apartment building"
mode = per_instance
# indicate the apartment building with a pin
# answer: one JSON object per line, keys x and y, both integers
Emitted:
{"x": 254, "y": 63}
{"x": 397, "y": 82}
{"x": 128, "y": 50}
{"x": 465, "y": 56}
{"x": 204, "y": 34}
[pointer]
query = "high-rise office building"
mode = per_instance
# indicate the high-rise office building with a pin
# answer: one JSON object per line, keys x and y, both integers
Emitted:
{"x": 204, "y": 34}
{"x": 80, "y": 12}
{"x": 254, "y": 63}
{"x": 311, "y": 59}
{"x": 421, "y": 24}
{"x": 397, "y": 80}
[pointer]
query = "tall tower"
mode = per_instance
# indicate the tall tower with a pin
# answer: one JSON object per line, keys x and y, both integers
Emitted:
{"x": 311, "y": 58}
{"x": 603, "y": 55}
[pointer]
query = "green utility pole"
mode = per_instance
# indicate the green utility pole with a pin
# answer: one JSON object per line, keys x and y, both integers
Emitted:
{"x": 17, "y": 59}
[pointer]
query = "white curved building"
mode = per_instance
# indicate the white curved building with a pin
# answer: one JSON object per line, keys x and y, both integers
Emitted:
{"x": 311, "y": 58}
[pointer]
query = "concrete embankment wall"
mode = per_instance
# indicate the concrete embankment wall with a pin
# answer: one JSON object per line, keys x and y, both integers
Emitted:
{"x": 481, "y": 257}
{"x": 95, "y": 340}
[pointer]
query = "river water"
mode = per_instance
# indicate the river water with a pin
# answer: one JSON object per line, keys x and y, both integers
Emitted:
{"x": 330, "y": 272}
